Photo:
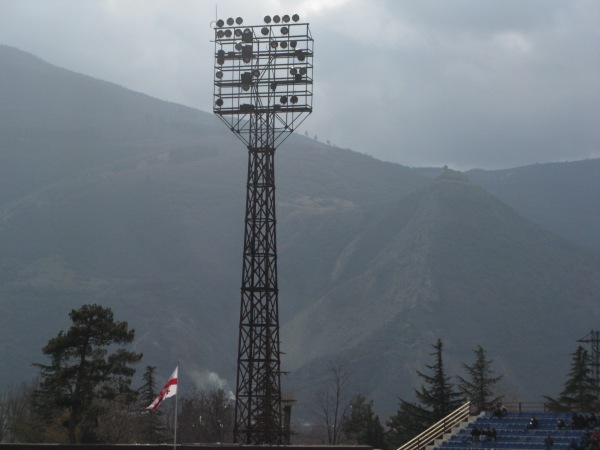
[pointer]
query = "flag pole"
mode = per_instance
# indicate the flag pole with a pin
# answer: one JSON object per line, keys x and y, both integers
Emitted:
{"x": 176, "y": 412}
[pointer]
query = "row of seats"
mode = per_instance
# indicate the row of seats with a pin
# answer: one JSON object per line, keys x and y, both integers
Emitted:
{"x": 512, "y": 433}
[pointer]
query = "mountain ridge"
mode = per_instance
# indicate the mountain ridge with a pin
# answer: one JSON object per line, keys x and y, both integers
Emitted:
{"x": 426, "y": 292}
{"x": 148, "y": 220}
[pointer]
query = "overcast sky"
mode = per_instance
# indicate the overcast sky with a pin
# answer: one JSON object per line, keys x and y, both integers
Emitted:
{"x": 463, "y": 83}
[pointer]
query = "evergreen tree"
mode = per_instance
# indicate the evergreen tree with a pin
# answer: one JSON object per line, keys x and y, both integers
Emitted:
{"x": 148, "y": 391}
{"x": 152, "y": 427}
{"x": 580, "y": 392}
{"x": 437, "y": 398}
{"x": 82, "y": 372}
{"x": 362, "y": 426}
{"x": 440, "y": 397}
{"x": 479, "y": 387}
{"x": 410, "y": 420}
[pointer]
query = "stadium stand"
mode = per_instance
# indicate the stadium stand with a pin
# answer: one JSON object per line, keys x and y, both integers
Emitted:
{"x": 513, "y": 433}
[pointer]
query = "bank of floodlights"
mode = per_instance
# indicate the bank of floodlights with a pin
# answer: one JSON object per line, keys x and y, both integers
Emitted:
{"x": 263, "y": 71}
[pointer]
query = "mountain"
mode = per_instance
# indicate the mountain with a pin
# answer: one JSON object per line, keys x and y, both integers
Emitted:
{"x": 450, "y": 261}
{"x": 113, "y": 197}
{"x": 562, "y": 197}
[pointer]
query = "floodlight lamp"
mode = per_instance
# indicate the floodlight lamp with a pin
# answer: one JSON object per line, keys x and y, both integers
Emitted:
{"x": 220, "y": 34}
{"x": 293, "y": 44}
{"x": 303, "y": 70}
{"x": 283, "y": 99}
{"x": 230, "y": 21}
{"x": 239, "y": 20}
{"x": 295, "y": 17}
{"x": 238, "y": 46}
{"x": 247, "y": 78}
{"x": 276, "y": 19}
{"x": 219, "y": 102}
{"x": 273, "y": 85}
{"x": 283, "y": 44}
{"x": 219, "y": 74}
{"x": 228, "y": 33}
{"x": 300, "y": 55}
{"x": 220, "y": 23}
{"x": 237, "y": 32}
{"x": 293, "y": 71}
{"x": 286, "y": 18}
{"x": 267, "y": 19}
{"x": 284, "y": 30}
{"x": 294, "y": 99}
{"x": 273, "y": 44}
{"x": 256, "y": 73}
{"x": 264, "y": 31}
{"x": 221, "y": 57}
{"x": 247, "y": 36}
{"x": 247, "y": 53}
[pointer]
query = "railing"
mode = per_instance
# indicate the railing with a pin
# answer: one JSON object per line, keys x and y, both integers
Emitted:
{"x": 526, "y": 407}
{"x": 438, "y": 429}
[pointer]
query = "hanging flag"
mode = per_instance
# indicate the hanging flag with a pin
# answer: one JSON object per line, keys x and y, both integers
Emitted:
{"x": 169, "y": 390}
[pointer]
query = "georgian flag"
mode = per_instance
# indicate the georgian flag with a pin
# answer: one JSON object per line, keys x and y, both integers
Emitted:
{"x": 169, "y": 390}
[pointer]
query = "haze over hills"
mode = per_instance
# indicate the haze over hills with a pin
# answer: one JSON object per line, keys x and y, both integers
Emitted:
{"x": 113, "y": 197}
{"x": 450, "y": 261}
{"x": 564, "y": 197}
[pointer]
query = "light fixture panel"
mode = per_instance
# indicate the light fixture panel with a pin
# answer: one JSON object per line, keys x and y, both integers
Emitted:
{"x": 279, "y": 60}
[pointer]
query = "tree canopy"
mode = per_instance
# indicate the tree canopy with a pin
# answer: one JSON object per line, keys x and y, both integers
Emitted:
{"x": 437, "y": 398}
{"x": 87, "y": 365}
{"x": 479, "y": 386}
{"x": 438, "y": 395}
{"x": 580, "y": 392}
{"x": 362, "y": 425}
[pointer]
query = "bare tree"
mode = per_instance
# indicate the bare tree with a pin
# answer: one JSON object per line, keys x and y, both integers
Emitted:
{"x": 207, "y": 416}
{"x": 16, "y": 415}
{"x": 333, "y": 402}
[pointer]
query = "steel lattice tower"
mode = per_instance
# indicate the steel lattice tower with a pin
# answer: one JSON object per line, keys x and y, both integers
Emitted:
{"x": 262, "y": 92}
{"x": 593, "y": 338}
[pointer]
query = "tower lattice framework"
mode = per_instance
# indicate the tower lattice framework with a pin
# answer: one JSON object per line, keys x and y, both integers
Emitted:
{"x": 593, "y": 338}
{"x": 262, "y": 92}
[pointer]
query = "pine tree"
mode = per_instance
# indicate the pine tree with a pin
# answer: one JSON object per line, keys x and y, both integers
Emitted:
{"x": 410, "y": 420}
{"x": 440, "y": 397}
{"x": 82, "y": 372}
{"x": 479, "y": 387}
{"x": 437, "y": 398}
{"x": 580, "y": 392}
{"x": 152, "y": 426}
{"x": 362, "y": 426}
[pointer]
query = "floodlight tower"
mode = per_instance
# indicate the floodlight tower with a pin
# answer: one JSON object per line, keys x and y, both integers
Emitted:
{"x": 593, "y": 338}
{"x": 262, "y": 92}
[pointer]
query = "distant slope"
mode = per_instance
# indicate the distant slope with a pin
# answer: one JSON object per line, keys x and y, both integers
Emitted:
{"x": 449, "y": 261}
{"x": 562, "y": 197}
{"x": 114, "y": 197}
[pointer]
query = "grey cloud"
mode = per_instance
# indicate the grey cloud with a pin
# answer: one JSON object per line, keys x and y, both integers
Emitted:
{"x": 464, "y": 83}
